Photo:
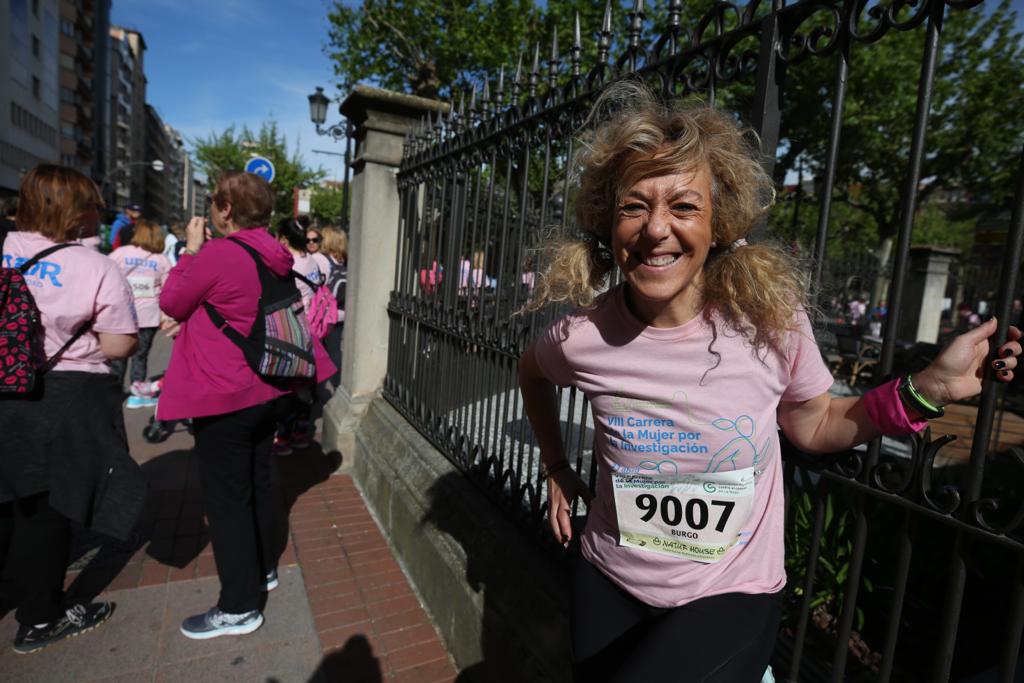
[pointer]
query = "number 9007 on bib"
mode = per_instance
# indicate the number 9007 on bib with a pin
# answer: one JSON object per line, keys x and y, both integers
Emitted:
{"x": 696, "y": 516}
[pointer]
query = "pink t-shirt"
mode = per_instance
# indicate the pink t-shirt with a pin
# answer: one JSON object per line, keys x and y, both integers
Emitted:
{"x": 322, "y": 262}
{"x": 306, "y": 265}
{"x": 659, "y": 401}
{"x": 146, "y": 273}
{"x": 70, "y": 287}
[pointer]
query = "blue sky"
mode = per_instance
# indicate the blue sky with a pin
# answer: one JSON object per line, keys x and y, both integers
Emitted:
{"x": 220, "y": 62}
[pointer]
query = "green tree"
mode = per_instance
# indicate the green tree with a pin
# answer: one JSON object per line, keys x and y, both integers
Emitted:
{"x": 327, "y": 205}
{"x": 230, "y": 149}
{"x": 974, "y": 133}
{"x": 433, "y": 48}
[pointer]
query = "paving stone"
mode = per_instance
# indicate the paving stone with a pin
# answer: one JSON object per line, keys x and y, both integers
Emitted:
{"x": 128, "y": 642}
{"x": 288, "y": 619}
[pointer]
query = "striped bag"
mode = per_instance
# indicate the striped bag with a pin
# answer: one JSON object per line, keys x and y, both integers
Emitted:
{"x": 280, "y": 345}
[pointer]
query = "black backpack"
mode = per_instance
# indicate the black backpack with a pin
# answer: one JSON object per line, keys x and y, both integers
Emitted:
{"x": 280, "y": 345}
{"x": 336, "y": 281}
{"x": 19, "y": 328}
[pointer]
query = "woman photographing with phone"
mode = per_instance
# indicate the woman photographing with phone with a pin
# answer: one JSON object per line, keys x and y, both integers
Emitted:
{"x": 215, "y": 292}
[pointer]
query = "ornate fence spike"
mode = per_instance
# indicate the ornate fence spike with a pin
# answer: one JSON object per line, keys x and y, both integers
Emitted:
{"x": 577, "y": 47}
{"x": 636, "y": 27}
{"x": 535, "y": 71}
{"x": 473, "y": 113}
{"x": 554, "y": 61}
{"x": 517, "y": 79}
{"x": 499, "y": 92}
{"x": 486, "y": 102}
{"x": 604, "y": 41}
{"x": 675, "y": 10}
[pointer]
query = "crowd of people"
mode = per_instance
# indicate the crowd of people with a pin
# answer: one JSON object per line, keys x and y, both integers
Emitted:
{"x": 245, "y": 364}
{"x": 691, "y": 366}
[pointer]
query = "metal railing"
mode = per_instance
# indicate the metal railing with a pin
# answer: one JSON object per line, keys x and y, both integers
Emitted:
{"x": 898, "y": 569}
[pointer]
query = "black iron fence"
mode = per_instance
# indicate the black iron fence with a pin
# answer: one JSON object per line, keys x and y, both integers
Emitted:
{"x": 899, "y": 569}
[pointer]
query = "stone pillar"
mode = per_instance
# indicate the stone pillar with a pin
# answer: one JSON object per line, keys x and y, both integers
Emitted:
{"x": 381, "y": 119}
{"x": 925, "y": 289}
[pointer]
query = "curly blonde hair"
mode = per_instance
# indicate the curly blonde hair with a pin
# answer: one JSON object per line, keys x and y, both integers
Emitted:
{"x": 757, "y": 289}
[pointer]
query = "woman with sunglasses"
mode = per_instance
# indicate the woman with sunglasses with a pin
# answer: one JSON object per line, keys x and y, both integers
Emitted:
{"x": 293, "y": 430}
{"x": 314, "y": 246}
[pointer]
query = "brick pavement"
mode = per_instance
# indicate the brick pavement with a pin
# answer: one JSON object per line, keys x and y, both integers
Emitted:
{"x": 368, "y": 622}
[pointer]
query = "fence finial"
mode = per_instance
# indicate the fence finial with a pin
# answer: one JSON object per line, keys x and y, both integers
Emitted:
{"x": 577, "y": 47}
{"x": 554, "y": 61}
{"x": 499, "y": 92}
{"x": 535, "y": 70}
{"x": 636, "y": 27}
{"x": 517, "y": 78}
{"x": 487, "y": 103}
{"x": 675, "y": 9}
{"x": 472, "y": 101}
{"x": 604, "y": 42}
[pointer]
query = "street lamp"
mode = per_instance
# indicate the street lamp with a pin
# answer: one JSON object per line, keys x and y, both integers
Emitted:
{"x": 318, "y": 115}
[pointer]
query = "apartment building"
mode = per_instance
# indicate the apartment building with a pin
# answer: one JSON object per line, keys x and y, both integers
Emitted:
{"x": 125, "y": 173}
{"x": 29, "y": 100}
{"x": 84, "y": 25}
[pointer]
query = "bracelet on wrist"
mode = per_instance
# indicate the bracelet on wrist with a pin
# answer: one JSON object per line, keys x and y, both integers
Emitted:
{"x": 555, "y": 469}
{"x": 912, "y": 398}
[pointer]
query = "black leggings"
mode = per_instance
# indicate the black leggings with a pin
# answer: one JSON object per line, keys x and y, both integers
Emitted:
{"x": 234, "y": 472}
{"x": 34, "y": 557}
{"x": 615, "y": 637}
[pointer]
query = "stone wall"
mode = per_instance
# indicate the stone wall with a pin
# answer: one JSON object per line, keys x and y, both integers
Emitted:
{"x": 499, "y": 600}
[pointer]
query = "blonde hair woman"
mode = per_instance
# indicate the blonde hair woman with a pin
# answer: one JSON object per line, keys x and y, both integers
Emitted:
{"x": 335, "y": 248}
{"x": 145, "y": 266}
{"x": 689, "y": 364}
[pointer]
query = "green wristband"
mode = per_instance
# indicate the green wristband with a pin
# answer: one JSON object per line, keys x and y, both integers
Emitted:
{"x": 912, "y": 398}
{"x": 917, "y": 395}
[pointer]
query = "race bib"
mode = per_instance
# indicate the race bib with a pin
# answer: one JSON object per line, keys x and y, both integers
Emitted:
{"x": 696, "y": 516}
{"x": 142, "y": 287}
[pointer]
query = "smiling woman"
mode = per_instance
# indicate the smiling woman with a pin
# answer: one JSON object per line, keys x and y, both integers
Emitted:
{"x": 660, "y": 180}
{"x": 683, "y": 547}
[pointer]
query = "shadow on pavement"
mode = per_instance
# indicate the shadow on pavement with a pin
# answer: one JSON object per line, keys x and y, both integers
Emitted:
{"x": 171, "y": 529}
{"x": 353, "y": 663}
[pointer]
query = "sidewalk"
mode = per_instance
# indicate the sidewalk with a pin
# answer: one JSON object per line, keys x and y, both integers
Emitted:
{"x": 344, "y": 610}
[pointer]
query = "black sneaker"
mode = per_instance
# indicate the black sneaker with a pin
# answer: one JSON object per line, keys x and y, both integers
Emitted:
{"x": 77, "y": 619}
{"x": 214, "y": 623}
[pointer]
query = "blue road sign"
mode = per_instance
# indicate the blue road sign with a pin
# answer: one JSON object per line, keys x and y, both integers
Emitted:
{"x": 262, "y": 167}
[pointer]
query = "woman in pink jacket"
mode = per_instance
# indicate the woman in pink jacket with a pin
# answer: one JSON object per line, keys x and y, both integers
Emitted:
{"x": 233, "y": 409}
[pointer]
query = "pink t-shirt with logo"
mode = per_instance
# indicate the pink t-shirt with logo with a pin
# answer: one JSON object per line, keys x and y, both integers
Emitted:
{"x": 146, "y": 273}
{"x": 70, "y": 287}
{"x": 322, "y": 262}
{"x": 660, "y": 399}
{"x": 306, "y": 265}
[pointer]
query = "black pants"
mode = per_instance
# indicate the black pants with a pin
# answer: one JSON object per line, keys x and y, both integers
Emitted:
{"x": 234, "y": 471}
{"x": 140, "y": 359}
{"x": 33, "y": 558}
{"x": 333, "y": 343}
{"x": 727, "y": 638}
